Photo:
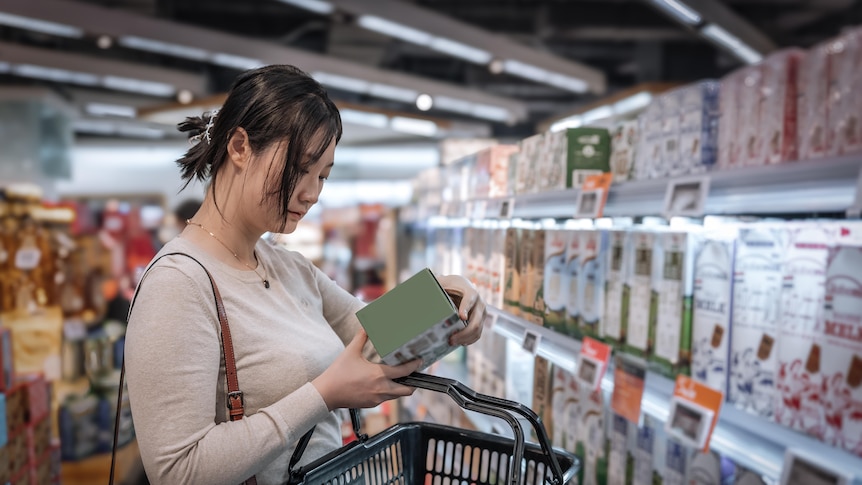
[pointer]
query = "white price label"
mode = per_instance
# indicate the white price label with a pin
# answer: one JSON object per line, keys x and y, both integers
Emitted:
{"x": 27, "y": 258}
{"x": 686, "y": 196}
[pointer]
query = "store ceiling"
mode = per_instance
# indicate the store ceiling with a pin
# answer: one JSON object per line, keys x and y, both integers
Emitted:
{"x": 613, "y": 44}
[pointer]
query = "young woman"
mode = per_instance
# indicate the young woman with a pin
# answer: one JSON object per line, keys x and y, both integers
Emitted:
{"x": 299, "y": 347}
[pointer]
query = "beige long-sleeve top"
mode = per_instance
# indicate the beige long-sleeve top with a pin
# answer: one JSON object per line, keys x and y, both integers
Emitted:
{"x": 283, "y": 337}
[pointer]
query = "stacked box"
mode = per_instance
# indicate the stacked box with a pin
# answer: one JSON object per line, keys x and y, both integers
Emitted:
{"x": 616, "y": 306}
{"x": 649, "y": 153}
{"x": 840, "y": 360}
{"x": 552, "y": 171}
{"x": 711, "y": 323}
{"x": 624, "y": 144}
{"x": 640, "y": 306}
{"x": 591, "y": 282}
{"x": 780, "y": 73}
{"x": 756, "y": 317}
{"x": 513, "y": 173}
{"x": 528, "y": 164}
{"x": 802, "y": 296}
{"x": 850, "y": 132}
{"x": 497, "y": 266}
{"x": 671, "y": 327}
{"x": 812, "y": 107}
{"x": 841, "y": 64}
{"x": 728, "y": 123}
{"x": 499, "y": 166}
{"x": 535, "y": 289}
{"x": 556, "y": 281}
{"x": 512, "y": 286}
{"x": 698, "y": 127}
{"x": 751, "y": 133}
{"x": 619, "y": 469}
{"x": 670, "y": 163}
{"x": 573, "y": 270}
{"x": 588, "y": 152}
{"x": 525, "y": 260}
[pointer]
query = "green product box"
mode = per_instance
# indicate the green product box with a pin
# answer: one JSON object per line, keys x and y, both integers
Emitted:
{"x": 588, "y": 152}
{"x": 413, "y": 320}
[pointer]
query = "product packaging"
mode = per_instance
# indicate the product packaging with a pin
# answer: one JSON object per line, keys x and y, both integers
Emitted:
{"x": 512, "y": 286}
{"x": 728, "y": 122}
{"x": 751, "y": 130}
{"x": 843, "y": 54}
{"x": 642, "y": 273}
{"x": 592, "y": 443}
{"x": 624, "y": 144}
{"x": 554, "y": 169}
{"x": 573, "y": 270}
{"x": 497, "y": 266}
{"x": 525, "y": 261}
{"x": 620, "y": 461}
{"x": 591, "y": 282}
{"x": 812, "y": 107}
{"x": 676, "y": 463}
{"x": 588, "y": 152}
{"x": 616, "y": 306}
{"x": 499, "y": 157}
{"x": 780, "y": 74}
{"x": 542, "y": 391}
{"x": 670, "y": 163}
{"x": 556, "y": 281}
{"x": 644, "y": 473}
{"x": 529, "y": 160}
{"x": 535, "y": 289}
{"x": 698, "y": 127}
{"x": 413, "y": 320}
{"x": 649, "y": 152}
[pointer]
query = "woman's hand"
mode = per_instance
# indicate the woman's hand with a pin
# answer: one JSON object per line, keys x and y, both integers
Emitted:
{"x": 471, "y": 308}
{"x": 351, "y": 381}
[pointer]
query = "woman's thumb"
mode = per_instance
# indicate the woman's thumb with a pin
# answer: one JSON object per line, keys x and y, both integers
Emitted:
{"x": 358, "y": 341}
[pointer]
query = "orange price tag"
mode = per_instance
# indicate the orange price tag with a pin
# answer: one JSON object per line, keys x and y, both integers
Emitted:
{"x": 593, "y": 362}
{"x": 593, "y": 195}
{"x": 694, "y": 411}
{"x": 628, "y": 389}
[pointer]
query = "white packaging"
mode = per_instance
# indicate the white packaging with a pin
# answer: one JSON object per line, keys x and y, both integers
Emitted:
{"x": 780, "y": 74}
{"x": 756, "y": 297}
{"x": 728, "y": 123}
{"x": 641, "y": 274}
{"x": 802, "y": 297}
{"x": 624, "y": 143}
{"x": 751, "y": 131}
{"x": 670, "y": 163}
{"x": 850, "y": 134}
{"x": 573, "y": 270}
{"x": 591, "y": 434}
{"x": 711, "y": 323}
{"x": 651, "y": 142}
{"x": 813, "y": 102}
{"x": 840, "y": 337}
{"x": 618, "y": 450}
{"x": 698, "y": 127}
{"x": 676, "y": 463}
{"x": 554, "y": 162}
{"x": 842, "y": 56}
{"x": 565, "y": 396}
{"x": 529, "y": 163}
{"x": 616, "y": 279}
{"x": 643, "y": 456}
{"x": 591, "y": 282}
{"x": 556, "y": 280}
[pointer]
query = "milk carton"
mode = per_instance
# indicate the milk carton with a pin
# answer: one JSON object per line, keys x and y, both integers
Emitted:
{"x": 616, "y": 306}
{"x": 750, "y": 130}
{"x": 641, "y": 274}
{"x": 560, "y": 397}
{"x": 698, "y": 127}
{"x": 556, "y": 280}
{"x": 497, "y": 267}
{"x": 528, "y": 164}
{"x": 618, "y": 456}
{"x": 728, "y": 123}
{"x": 643, "y": 473}
{"x": 711, "y": 315}
{"x": 499, "y": 166}
{"x": 537, "y": 278}
{"x": 512, "y": 285}
{"x": 525, "y": 262}
{"x": 649, "y": 153}
{"x": 850, "y": 132}
{"x": 840, "y": 359}
{"x": 588, "y": 152}
{"x": 673, "y": 302}
{"x": 591, "y": 282}
{"x": 813, "y": 102}
{"x": 670, "y": 163}
{"x": 780, "y": 74}
{"x": 592, "y": 443}
{"x": 756, "y": 297}
{"x": 802, "y": 297}
{"x": 555, "y": 162}
{"x": 676, "y": 463}
{"x": 841, "y": 67}
{"x": 573, "y": 270}
{"x": 624, "y": 143}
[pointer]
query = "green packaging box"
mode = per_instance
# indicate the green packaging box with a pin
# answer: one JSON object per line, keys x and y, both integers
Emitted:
{"x": 588, "y": 152}
{"x": 414, "y": 320}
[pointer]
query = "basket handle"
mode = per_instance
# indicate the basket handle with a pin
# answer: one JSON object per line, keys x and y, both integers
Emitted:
{"x": 503, "y": 408}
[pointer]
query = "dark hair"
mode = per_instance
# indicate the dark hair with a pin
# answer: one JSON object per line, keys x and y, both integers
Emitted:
{"x": 273, "y": 104}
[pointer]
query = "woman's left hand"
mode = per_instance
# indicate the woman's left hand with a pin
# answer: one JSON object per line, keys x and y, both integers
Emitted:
{"x": 471, "y": 308}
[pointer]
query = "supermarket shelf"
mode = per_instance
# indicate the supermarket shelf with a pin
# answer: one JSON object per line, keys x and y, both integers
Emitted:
{"x": 748, "y": 440}
{"x": 827, "y": 185}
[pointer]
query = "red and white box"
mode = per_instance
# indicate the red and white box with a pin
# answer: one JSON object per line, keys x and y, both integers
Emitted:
{"x": 728, "y": 122}
{"x": 500, "y": 169}
{"x": 813, "y": 101}
{"x": 780, "y": 75}
{"x": 842, "y": 56}
{"x": 751, "y": 132}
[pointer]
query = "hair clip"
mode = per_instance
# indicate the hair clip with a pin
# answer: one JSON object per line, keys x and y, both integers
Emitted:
{"x": 210, "y": 123}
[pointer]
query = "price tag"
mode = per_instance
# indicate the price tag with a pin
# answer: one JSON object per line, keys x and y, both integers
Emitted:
{"x": 531, "y": 342}
{"x": 593, "y": 196}
{"x": 694, "y": 411}
{"x": 628, "y": 392}
{"x": 855, "y": 210}
{"x": 593, "y": 362}
{"x": 686, "y": 196}
{"x": 507, "y": 208}
{"x": 801, "y": 469}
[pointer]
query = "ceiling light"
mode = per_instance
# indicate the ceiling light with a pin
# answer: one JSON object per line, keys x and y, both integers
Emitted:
{"x": 567, "y": 82}
{"x": 55, "y": 74}
{"x": 140, "y": 131}
{"x": 184, "y": 96}
{"x": 43, "y": 26}
{"x": 395, "y": 93}
{"x": 679, "y": 11}
{"x": 238, "y": 62}
{"x": 496, "y": 66}
{"x": 524, "y": 70}
{"x": 93, "y": 127}
{"x": 105, "y": 109}
{"x": 413, "y": 126}
{"x": 488, "y": 112}
{"x": 457, "y": 49}
{"x": 341, "y": 82}
{"x": 166, "y": 48}
{"x": 316, "y": 6}
{"x": 140, "y": 86}
{"x": 424, "y": 102}
{"x": 104, "y": 42}
{"x": 365, "y": 118}
{"x": 455, "y": 105}
{"x": 733, "y": 43}
{"x": 632, "y": 103}
{"x": 570, "y": 122}
{"x": 5, "y": 66}
{"x": 393, "y": 29}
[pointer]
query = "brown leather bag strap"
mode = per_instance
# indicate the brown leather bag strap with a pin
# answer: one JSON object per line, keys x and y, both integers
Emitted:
{"x": 234, "y": 395}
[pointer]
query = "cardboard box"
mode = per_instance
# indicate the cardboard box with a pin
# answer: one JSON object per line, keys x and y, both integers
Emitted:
{"x": 588, "y": 152}
{"x": 413, "y": 320}
{"x": 641, "y": 302}
{"x": 555, "y": 286}
{"x": 616, "y": 307}
{"x": 591, "y": 282}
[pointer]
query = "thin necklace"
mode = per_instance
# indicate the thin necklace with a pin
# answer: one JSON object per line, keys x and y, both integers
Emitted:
{"x": 264, "y": 279}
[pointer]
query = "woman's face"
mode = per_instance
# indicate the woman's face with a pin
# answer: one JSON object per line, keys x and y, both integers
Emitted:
{"x": 309, "y": 186}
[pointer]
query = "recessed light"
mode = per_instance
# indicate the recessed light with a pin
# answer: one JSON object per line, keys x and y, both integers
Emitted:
{"x": 424, "y": 102}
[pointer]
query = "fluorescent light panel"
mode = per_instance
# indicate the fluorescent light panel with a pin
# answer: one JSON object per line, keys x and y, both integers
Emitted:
{"x": 524, "y": 70}
{"x": 679, "y": 11}
{"x": 394, "y": 29}
{"x": 596, "y": 114}
{"x": 488, "y": 112}
{"x": 565, "y": 123}
{"x": 160, "y": 47}
{"x": 463, "y": 51}
{"x": 567, "y": 82}
{"x": 341, "y": 82}
{"x": 152, "y": 88}
{"x": 632, "y": 103}
{"x": 316, "y": 6}
{"x": 43, "y": 26}
{"x": 238, "y": 62}
{"x": 413, "y": 126}
{"x": 105, "y": 109}
{"x": 724, "y": 38}
{"x": 55, "y": 74}
{"x": 396, "y": 93}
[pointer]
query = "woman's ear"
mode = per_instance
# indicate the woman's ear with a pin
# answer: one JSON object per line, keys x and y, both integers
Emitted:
{"x": 238, "y": 148}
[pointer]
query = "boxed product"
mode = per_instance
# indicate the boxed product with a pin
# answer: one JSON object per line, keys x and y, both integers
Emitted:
{"x": 36, "y": 396}
{"x": 497, "y": 266}
{"x": 649, "y": 152}
{"x": 644, "y": 471}
{"x": 698, "y": 138}
{"x": 525, "y": 261}
{"x": 536, "y": 314}
{"x": 556, "y": 283}
{"x": 512, "y": 286}
{"x": 711, "y": 323}
{"x": 840, "y": 360}
{"x": 573, "y": 269}
{"x": 671, "y": 334}
{"x": 756, "y": 317}
{"x": 812, "y": 106}
{"x": 640, "y": 306}
{"x": 619, "y": 458}
{"x": 751, "y": 133}
{"x": 499, "y": 166}
{"x": 529, "y": 158}
{"x": 565, "y": 398}
{"x": 591, "y": 282}
{"x": 481, "y": 175}
{"x": 841, "y": 64}
{"x": 542, "y": 391}
{"x": 676, "y": 463}
{"x": 616, "y": 307}
{"x": 670, "y": 163}
{"x": 850, "y": 131}
{"x": 588, "y": 152}
{"x": 554, "y": 162}
{"x": 802, "y": 296}
{"x": 624, "y": 144}
{"x": 514, "y": 171}
{"x": 414, "y": 320}
{"x": 780, "y": 73}
{"x": 591, "y": 437}
{"x": 728, "y": 123}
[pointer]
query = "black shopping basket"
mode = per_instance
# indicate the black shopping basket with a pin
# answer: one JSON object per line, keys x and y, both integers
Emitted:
{"x": 432, "y": 454}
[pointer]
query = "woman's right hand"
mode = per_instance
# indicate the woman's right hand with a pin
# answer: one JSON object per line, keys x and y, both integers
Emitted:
{"x": 351, "y": 381}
